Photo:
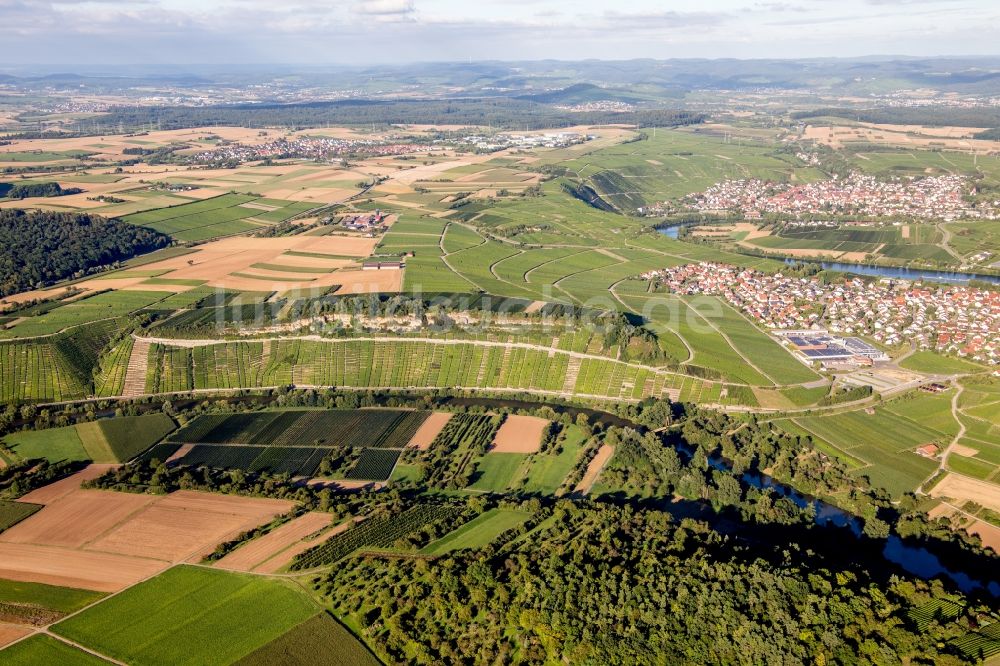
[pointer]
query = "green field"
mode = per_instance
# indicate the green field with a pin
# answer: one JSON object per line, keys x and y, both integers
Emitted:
{"x": 42, "y": 649}
{"x": 121, "y": 439}
{"x": 190, "y": 615}
{"x": 549, "y": 470}
{"x": 11, "y": 513}
{"x": 319, "y": 640}
{"x": 62, "y": 599}
{"x": 54, "y": 444}
{"x": 498, "y": 472}
{"x": 669, "y": 164}
{"x": 219, "y": 216}
{"x": 885, "y": 440}
{"x": 928, "y": 361}
{"x": 41, "y": 155}
{"x": 886, "y": 243}
{"x": 969, "y": 238}
{"x": 478, "y": 532}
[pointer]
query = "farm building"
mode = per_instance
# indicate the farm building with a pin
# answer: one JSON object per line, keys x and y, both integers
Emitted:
{"x": 383, "y": 264}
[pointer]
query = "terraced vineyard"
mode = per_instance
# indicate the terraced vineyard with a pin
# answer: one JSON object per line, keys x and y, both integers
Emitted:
{"x": 402, "y": 363}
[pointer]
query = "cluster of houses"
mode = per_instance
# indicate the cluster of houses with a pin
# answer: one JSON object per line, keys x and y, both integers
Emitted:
{"x": 601, "y": 106}
{"x": 364, "y": 222}
{"x": 503, "y": 141}
{"x": 933, "y": 197}
{"x": 306, "y": 147}
{"x": 950, "y": 319}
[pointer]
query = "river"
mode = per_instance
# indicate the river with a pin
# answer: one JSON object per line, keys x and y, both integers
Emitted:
{"x": 915, "y": 560}
{"x": 896, "y": 273}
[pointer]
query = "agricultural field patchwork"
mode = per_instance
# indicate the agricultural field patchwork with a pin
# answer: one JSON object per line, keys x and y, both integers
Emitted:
{"x": 365, "y": 443}
{"x": 190, "y": 615}
{"x": 886, "y": 440}
{"x": 377, "y": 532}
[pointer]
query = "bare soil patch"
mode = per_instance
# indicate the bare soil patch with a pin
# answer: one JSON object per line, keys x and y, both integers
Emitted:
{"x": 173, "y": 533}
{"x": 963, "y": 489}
{"x": 990, "y": 534}
{"x": 428, "y": 430}
{"x": 367, "y": 282}
{"x": 285, "y": 557}
{"x": 11, "y": 632}
{"x": 77, "y": 518}
{"x": 103, "y": 572}
{"x": 103, "y": 540}
{"x": 180, "y": 453}
{"x": 963, "y": 450}
{"x": 594, "y": 469}
{"x": 54, "y": 491}
{"x": 520, "y": 434}
{"x": 252, "y": 554}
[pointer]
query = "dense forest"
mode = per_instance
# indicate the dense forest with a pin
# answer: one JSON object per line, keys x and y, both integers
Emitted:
{"x": 49, "y": 189}
{"x": 604, "y": 584}
{"x": 41, "y": 247}
{"x": 933, "y": 116}
{"x": 497, "y": 113}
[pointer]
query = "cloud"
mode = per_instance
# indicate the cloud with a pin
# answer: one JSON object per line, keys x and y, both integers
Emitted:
{"x": 663, "y": 19}
{"x": 382, "y": 10}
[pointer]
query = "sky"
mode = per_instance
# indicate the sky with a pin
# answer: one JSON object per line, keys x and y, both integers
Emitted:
{"x": 354, "y": 32}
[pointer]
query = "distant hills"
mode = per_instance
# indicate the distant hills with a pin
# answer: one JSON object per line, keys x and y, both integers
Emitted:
{"x": 569, "y": 82}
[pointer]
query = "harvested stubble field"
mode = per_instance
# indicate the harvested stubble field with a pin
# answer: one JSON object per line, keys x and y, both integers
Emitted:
{"x": 105, "y": 541}
{"x": 59, "y": 489}
{"x": 962, "y": 489}
{"x": 213, "y": 264}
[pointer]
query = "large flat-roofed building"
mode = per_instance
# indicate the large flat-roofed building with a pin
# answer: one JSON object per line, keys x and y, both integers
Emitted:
{"x": 826, "y": 348}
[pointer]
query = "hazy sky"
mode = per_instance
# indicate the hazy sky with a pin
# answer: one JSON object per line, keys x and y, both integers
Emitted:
{"x": 375, "y": 31}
